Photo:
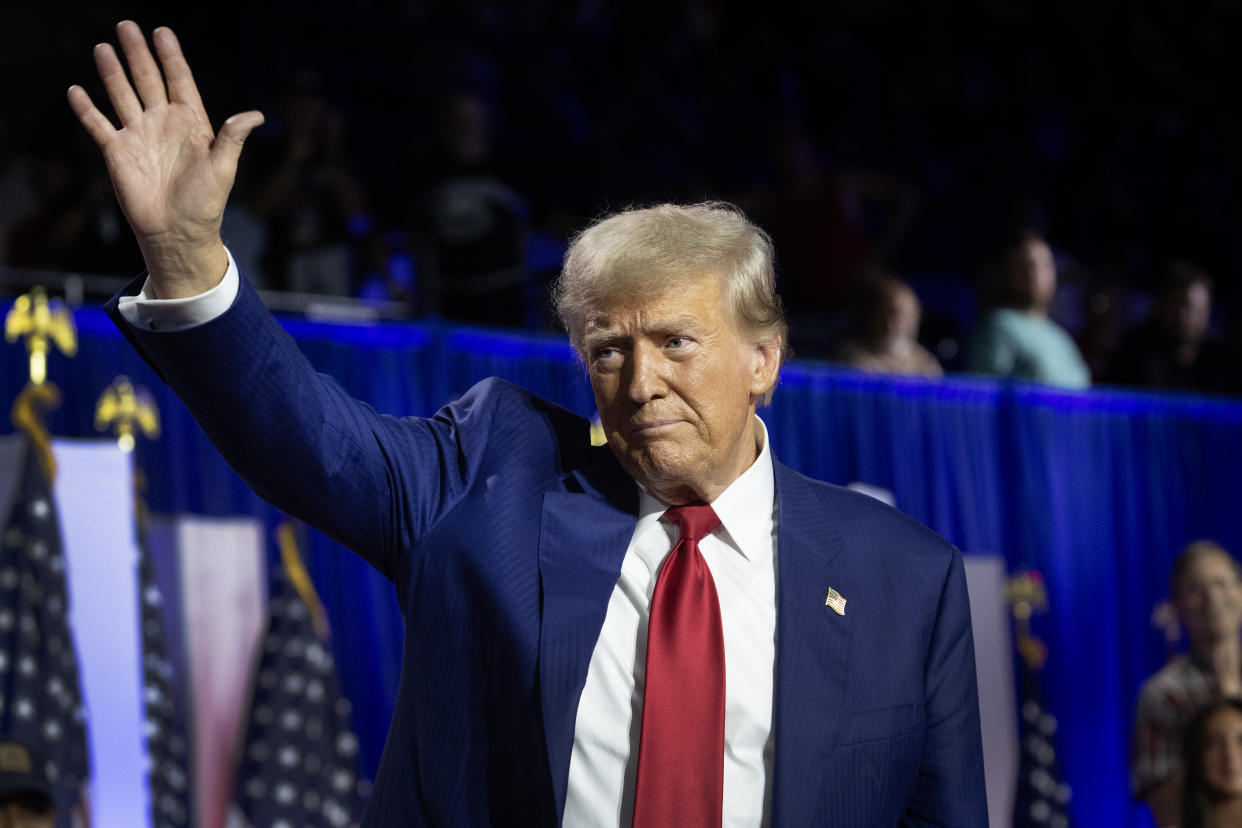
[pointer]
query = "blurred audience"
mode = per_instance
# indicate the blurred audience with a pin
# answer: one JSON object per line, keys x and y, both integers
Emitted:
{"x": 469, "y": 225}
{"x": 1104, "y": 321}
{"x": 886, "y": 330}
{"x": 306, "y": 193}
{"x": 1018, "y": 339}
{"x": 1173, "y": 349}
{"x": 1207, "y": 595}
{"x": 71, "y": 219}
{"x": 829, "y": 225}
{"x": 1212, "y": 795}
{"x": 858, "y": 134}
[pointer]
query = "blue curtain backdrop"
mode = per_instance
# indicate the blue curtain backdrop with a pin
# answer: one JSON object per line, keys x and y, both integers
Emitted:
{"x": 1097, "y": 490}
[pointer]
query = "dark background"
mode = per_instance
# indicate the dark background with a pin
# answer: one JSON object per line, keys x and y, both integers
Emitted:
{"x": 1113, "y": 128}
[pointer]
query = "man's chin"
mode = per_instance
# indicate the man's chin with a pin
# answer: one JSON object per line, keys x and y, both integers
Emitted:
{"x": 657, "y": 473}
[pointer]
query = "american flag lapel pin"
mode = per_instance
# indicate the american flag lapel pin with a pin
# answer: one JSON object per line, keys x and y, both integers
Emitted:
{"x": 836, "y": 601}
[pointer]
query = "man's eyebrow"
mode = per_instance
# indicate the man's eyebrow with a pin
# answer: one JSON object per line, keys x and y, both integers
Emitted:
{"x": 598, "y": 330}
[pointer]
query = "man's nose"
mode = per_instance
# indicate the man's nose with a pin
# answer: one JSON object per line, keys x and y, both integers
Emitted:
{"x": 646, "y": 379}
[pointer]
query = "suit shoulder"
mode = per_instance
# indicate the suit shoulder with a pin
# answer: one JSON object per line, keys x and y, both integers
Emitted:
{"x": 861, "y": 517}
{"x": 514, "y": 418}
{"x": 506, "y": 397}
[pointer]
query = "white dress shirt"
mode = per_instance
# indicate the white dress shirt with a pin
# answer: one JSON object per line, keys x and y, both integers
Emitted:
{"x": 741, "y": 554}
{"x": 176, "y": 314}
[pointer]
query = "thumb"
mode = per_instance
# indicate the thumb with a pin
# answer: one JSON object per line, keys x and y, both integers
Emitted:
{"x": 226, "y": 149}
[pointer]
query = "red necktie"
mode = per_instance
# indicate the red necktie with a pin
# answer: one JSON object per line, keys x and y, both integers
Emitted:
{"x": 681, "y": 752}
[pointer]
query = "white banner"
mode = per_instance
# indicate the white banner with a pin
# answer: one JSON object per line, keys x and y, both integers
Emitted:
{"x": 94, "y": 498}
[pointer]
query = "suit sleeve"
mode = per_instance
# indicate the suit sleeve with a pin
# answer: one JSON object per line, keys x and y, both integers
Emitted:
{"x": 950, "y": 789}
{"x": 370, "y": 481}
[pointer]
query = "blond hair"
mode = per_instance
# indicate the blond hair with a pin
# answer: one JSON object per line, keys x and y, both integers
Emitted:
{"x": 647, "y": 251}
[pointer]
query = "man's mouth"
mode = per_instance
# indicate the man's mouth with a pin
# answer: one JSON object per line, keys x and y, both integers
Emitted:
{"x": 653, "y": 427}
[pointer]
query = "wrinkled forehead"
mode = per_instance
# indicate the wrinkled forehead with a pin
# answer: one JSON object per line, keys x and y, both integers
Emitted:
{"x": 1208, "y": 567}
{"x": 653, "y": 296}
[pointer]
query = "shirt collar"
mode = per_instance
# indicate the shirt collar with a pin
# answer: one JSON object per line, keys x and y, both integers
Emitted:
{"x": 745, "y": 508}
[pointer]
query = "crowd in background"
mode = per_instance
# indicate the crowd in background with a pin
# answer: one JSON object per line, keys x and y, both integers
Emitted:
{"x": 1186, "y": 749}
{"x": 1047, "y": 190}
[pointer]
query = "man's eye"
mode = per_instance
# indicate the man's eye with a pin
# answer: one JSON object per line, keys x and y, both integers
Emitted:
{"x": 677, "y": 342}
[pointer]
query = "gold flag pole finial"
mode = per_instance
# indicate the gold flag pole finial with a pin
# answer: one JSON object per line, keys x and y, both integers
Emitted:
{"x": 27, "y": 416}
{"x": 125, "y": 410}
{"x": 287, "y": 540}
{"x": 41, "y": 322}
{"x": 1027, "y": 596}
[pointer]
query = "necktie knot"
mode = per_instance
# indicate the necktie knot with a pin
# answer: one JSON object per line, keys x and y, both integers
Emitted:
{"x": 695, "y": 521}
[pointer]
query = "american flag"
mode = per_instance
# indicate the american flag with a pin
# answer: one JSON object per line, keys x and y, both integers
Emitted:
{"x": 40, "y": 698}
{"x": 299, "y": 760}
{"x": 1043, "y": 796}
{"x": 165, "y": 729}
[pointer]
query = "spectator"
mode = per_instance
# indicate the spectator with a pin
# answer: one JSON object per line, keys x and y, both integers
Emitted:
{"x": 1207, "y": 595}
{"x": 886, "y": 331}
{"x": 26, "y": 796}
{"x": 1018, "y": 339}
{"x": 1172, "y": 349}
{"x": 75, "y": 224}
{"x": 311, "y": 200}
{"x": 1213, "y": 793}
{"x": 821, "y": 218}
{"x": 471, "y": 226}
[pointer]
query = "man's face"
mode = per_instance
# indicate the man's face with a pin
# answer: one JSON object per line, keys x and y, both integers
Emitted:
{"x": 1188, "y": 313}
{"x": 676, "y": 385}
{"x": 1209, "y": 599}
{"x": 902, "y": 312}
{"x": 1222, "y": 752}
{"x": 1034, "y": 274}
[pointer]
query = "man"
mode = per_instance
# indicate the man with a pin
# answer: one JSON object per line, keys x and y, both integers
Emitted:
{"x": 529, "y": 565}
{"x": 886, "y": 331}
{"x": 1207, "y": 594}
{"x": 1172, "y": 349}
{"x": 26, "y": 796}
{"x": 1019, "y": 339}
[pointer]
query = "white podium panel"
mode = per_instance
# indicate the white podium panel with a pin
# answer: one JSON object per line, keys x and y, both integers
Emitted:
{"x": 989, "y": 616}
{"x": 94, "y": 499}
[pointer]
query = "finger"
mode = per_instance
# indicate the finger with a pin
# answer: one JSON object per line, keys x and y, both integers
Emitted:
{"x": 146, "y": 74}
{"x": 226, "y": 149}
{"x": 181, "y": 86}
{"x": 124, "y": 101}
{"x": 96, "y": 123}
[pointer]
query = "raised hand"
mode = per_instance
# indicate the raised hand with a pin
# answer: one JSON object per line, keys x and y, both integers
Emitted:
{"x": 172, "y": 173}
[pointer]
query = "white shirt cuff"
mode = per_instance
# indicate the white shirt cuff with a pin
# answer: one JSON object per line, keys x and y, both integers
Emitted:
{"x": 179, "y": 314}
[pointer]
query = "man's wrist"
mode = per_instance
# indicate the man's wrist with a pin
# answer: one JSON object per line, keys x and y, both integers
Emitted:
{"x": 149, "y": 313}
{"x": 182, "y": 270}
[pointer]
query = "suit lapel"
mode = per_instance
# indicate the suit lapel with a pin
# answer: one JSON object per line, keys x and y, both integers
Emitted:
{"x": 812, "y": 646}
{"x": 583, "y": 535}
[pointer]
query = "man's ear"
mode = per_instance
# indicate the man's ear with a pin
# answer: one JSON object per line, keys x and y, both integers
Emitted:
{"x": 765, "y": 367}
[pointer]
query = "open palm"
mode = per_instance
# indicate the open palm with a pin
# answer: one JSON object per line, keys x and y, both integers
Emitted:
{"x": 171, "y": 172}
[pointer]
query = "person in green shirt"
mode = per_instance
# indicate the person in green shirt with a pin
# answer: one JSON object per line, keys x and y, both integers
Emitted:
{"x": 1018, "y": 339}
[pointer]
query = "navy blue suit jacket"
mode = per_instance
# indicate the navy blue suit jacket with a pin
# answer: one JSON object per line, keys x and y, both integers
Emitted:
{"x": 503, "y": 530}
